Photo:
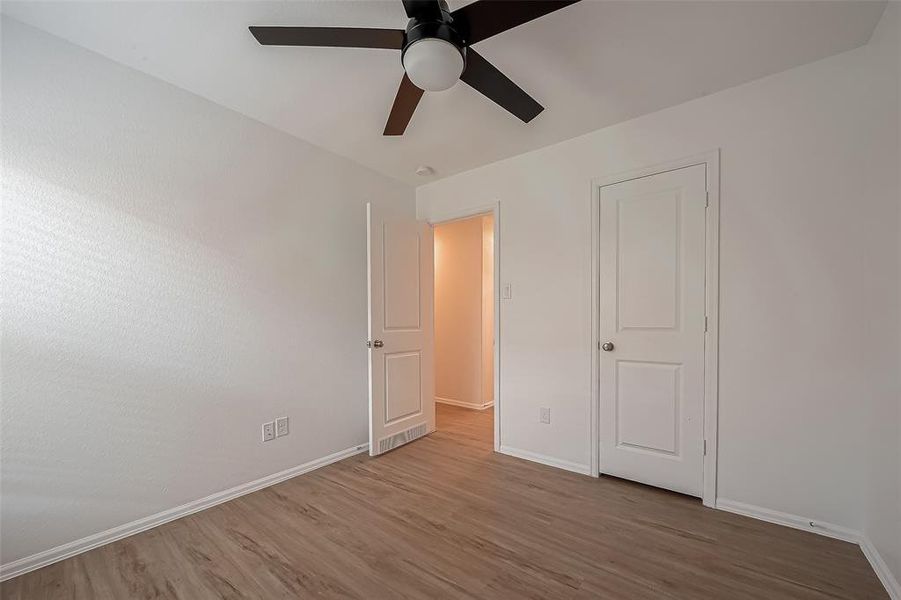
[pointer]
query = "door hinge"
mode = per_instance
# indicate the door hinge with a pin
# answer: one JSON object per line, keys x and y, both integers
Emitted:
{"x": 705, "y": 447}
{"x": 706, "y": 199}
{"x": 705, "y": 324}
{"x": 599, "y": 344}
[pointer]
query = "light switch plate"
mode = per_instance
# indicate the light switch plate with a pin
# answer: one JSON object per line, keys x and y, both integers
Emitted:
{"x": 281, "y": 426}
{"x": 507, "y": 292}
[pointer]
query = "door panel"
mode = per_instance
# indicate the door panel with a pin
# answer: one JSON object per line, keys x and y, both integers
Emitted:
{"x": 400, "y": 265}
{"x": 648, "y": 396}
{"x": 652, "y": 259}
{"x": 403, "y": 385}
{"x": 401, "y": 369}
{"x": 648, "y": 252}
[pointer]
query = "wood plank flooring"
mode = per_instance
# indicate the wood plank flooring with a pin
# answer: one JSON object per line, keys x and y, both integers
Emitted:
{"x": 445, "y": 517}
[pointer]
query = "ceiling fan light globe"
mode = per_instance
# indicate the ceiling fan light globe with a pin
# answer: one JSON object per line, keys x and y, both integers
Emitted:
{"x": 433, "y": 64}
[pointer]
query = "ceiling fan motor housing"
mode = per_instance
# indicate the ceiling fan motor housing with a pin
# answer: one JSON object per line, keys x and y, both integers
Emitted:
{"x": 434, "y": 53}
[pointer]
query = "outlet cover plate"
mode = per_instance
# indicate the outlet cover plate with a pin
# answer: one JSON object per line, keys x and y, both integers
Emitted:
{"x": 544, "y": 415}
{"x": 268, "y": 431}
{"x": 281, "y": 426}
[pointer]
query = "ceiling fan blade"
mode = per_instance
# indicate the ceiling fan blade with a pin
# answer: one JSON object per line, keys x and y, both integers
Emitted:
{"x": 485, "y": 18}
{"x": 405, "y": 103}
{"x": 422, "y": 9}
{"x": 484, "y": 77}
{"x": 336, "y": 37}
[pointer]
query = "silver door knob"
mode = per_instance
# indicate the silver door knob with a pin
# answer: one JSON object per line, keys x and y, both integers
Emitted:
{"x": 607, "y": 347}
{"x": 375, "y": 344}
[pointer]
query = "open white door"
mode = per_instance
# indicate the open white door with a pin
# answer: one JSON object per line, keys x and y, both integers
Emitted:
{"x": 652, "y": 304}
{"x": 401, "y": 367}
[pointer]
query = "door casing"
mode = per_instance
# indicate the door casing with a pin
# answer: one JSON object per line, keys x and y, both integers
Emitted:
{"x": 493, "y": 209}
{"x": 711, "y": 296}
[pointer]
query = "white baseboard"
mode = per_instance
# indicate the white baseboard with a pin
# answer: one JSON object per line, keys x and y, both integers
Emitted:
{"x": 546, "y": 460}
{"x": 789, "y": 520}
{"x": 42, "y": 559}
{"x": 888, "y": 580}
{"x": 819, "y": 527}
{"x": 460, "y": 403}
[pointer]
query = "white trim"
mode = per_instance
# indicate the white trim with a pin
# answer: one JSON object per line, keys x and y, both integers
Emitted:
{"x": 711, "y": 347}
{"x": 594, "y": 418}
{"x": 712, "y": 339}
{"x": 493, "y": 209}
{"x": 789, "y": 520}
{"x": 888, "y": 580}
{"x": 546, "y": 460}
{"x": 42, "y": 559}
{"x": 463, "y": 404}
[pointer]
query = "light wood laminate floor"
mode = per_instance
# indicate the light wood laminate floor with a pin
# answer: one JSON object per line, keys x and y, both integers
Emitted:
{"x": 446, "y": 517}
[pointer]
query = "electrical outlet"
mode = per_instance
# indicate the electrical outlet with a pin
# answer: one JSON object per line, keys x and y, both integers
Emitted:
{"x": 268, "y": 431}
{"x": 544, "y": 415}
{"x": 281, "y": 426}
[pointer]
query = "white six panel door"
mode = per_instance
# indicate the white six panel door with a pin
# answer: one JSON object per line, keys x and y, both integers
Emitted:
{"x": 652, "y": 280}
{"x": 401, "y": 368}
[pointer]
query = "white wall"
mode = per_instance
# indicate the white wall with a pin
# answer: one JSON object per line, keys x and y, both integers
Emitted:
{"x": 882, "y": 524}
{"x": 174, "y": 274}
{"x": 809, "y": 277}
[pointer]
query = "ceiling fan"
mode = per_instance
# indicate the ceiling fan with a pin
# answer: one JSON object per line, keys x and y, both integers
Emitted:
{"x": 435, "y": 50}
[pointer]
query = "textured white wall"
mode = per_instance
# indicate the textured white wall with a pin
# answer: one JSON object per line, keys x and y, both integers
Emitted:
{"x": 174, "y": 274}
{"x": 809, "y": 277}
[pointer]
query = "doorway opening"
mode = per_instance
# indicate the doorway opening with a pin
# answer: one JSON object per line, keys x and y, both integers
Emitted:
{"x": 465, "y": 325}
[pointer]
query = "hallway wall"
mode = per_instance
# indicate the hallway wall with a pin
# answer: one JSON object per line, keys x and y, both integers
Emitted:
{"x": 462, "y": 315}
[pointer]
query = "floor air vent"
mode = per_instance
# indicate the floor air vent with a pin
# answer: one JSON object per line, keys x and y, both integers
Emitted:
{"x": 399, "y": 439}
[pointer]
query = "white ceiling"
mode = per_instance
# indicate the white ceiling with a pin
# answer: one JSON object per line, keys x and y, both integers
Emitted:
{"x": 591, "y": 65}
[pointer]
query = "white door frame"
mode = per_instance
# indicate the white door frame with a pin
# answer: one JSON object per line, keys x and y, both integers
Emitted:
{"x": 711, "y": 344}
{"x": 494, "y": 209}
